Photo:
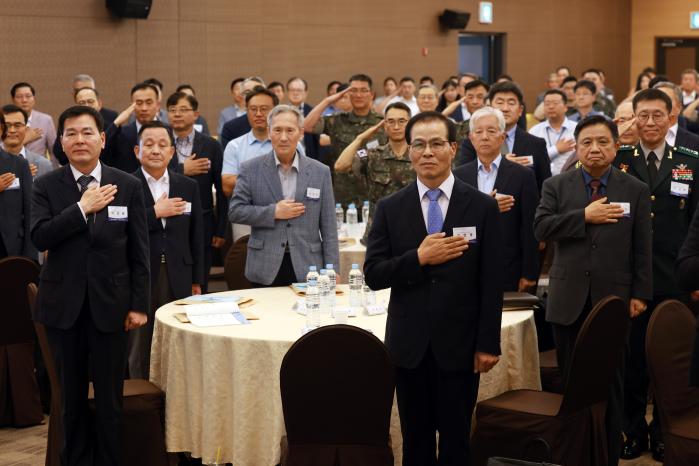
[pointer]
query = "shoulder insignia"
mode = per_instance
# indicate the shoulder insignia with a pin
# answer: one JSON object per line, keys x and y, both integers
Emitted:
{"x": 626, "y": 147}
{"x": 624, "y": 167}
{"x": 578, "y": 164}
{"x": 686, "y": 151}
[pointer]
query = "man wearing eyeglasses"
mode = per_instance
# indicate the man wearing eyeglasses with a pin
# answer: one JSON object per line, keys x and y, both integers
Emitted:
{"x": 342, "y": 128}
{"x": 14, "y": 130}
{"x": 436, "y": 244}
{"x": 671, "y": 174}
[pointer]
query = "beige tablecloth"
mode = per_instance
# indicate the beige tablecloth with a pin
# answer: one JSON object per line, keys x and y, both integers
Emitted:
{"x": 222, "y": 383}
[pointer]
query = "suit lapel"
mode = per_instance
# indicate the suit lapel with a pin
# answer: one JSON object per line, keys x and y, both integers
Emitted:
{"x": 101, "y": 216}
{"x": 638, "y": 162}
{"x": 197, "y": 145}
{"x": 665, "y": 168}
{"x": 302, "y": 179}
{"x": 578, "y": 190}
{"x": 518, "y": 146}
{"x": 272, "y": 178}
{"x": 414, "y": 212}
{"x": 504, "y": 173}
{"x": 458, "y": 203}
{"x": 471, "y": 172}
{"x": 71, "y": 194}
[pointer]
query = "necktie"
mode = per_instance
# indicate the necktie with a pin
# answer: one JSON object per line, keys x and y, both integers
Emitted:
{"x": 505, "y": 149}
{"x": 84, "y": 181}
{"x": 652, "y": 168}
{"x": 434, "y": 213}
{"x": 595, "y": 193}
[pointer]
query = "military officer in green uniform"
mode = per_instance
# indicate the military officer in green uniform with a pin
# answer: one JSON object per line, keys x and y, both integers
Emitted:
{"x": 343, "y": 128}
{"x": 671, "y": 174}
{"x": 386, "y": 168}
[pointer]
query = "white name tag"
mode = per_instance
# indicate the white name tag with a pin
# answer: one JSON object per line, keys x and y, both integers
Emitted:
{"x": 376, "y": 309}
{"x": 679, "y": 189}
{"x": 361, "y": 153}
{"x": 530, "y": 160}
{"x": 198, "y": 127}
{"x": 624, "y": 205}
{"x": 188, "y": 208}
{"x": 468, "y": 233}
{"x": 313, "y": 193}
{"x": 373, "y": 144}
{"x": 14, "y": 185}
{"x": 117, "y": 213}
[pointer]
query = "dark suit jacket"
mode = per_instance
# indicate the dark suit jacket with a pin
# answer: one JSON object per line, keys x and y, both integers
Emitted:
{"x": 206, "y": 147}
{"x": 311, "y": 141}
{"x": 686, "y": 139}
{"x": 181, "y": 240}
{"x": 521, "y": 250}
{"x": 108, "y": 116}
{"x": 108, "y": 260}
{"x": 594, "y": 260}
{"x": 687, "y": 273}
{"x": 15, "y": 208}
{"x": 458, "y": 114}
{"x": 525, "y": 144}
{"x": 118, "y": 150}
{"x": 455, "y": 308}
{"x": 234, "y": 128}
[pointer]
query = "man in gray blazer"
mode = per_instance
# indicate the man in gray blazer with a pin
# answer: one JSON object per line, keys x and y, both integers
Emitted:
{"x": 599, "y": 220}
{"x": 14, "y": 130}
{"x": 287, "y": 199}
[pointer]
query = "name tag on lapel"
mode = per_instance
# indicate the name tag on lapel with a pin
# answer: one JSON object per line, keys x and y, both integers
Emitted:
{"x": 14, "y": 185}
{"x": 679, "y": 189}
{"x": 313, "y": 193}
{"x": 624, "y": 205}
{"x": 467, "y": 233}
{"x": 530, "y": 160}
{"x": 187, "y": 208}
{"x": 117, "y": 213}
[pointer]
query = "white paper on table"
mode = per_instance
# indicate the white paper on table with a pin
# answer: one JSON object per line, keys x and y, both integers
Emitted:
{"x": 300, "y": 307}
{"x": 215, "y": 314}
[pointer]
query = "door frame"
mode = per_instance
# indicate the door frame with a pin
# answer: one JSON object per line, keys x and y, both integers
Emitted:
{"x": 660, "y": 64}
{"x": 497, "y": 44}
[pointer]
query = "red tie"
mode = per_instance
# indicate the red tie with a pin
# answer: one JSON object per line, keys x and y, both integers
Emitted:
{"x": 595, "y": 184}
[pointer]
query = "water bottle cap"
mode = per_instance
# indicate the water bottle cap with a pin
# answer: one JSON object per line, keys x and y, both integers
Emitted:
{"x": 312, "y": 268}
{"x": 329, "y": 266}
{"x": 366, "y": 202}
{"x": 338, "y": 206}
{"x": 323, "y": 272}
{"x": 352, "y": 206}
{"x": 355, "y": 266}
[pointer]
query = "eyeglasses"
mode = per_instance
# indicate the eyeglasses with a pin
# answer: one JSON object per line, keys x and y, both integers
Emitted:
{"x": 656, "y": 116}
{"x": 15, "y": 125}
{"x": 420, "y": 146}
{"x": 359, "y": 91}
{"x": 398, "y": 122}
{"x": 88, "y": 102}
{"x": 180, "y": 110}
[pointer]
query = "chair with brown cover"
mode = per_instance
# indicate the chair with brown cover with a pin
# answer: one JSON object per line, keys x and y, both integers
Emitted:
{"x": 671, "y": 333}
{"x": 20, "y": 400}
{"x": 142, "y": 418}
{"x": 337, "y": 393}
{"x": 571, "y": 423}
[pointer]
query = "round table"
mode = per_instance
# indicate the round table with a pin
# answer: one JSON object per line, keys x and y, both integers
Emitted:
{"x": 222, "y": 383}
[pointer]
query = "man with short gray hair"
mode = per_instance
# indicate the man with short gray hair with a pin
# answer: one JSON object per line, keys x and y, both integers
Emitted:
{"x": 677, "y": 134}
{"x": 287, "y": 199}
{"x": 83, "y": 80}
{"x": 514, "y": 188}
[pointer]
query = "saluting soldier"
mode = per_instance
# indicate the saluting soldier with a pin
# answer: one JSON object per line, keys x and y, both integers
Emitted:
{"x": 343, "y": 128}
{"x": 386, "y": 168}
{"x": 670, "y": 173}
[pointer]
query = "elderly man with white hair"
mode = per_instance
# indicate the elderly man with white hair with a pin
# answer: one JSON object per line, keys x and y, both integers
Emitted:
{"x": 514, "y": 187}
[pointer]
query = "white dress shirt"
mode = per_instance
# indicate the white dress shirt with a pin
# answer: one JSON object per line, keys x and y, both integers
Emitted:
{"x": 446, "y": 187}
{"x": 158, "y": 187}
{"x": 688, "y": 98}
{"x": 545, "y": 131}
{"x": 671, "y": 135}
{"x": 96, "y": 173}
{"x": 464, "y": 112}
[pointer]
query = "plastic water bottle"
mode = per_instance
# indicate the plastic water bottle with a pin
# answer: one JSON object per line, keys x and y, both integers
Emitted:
{"x": 312, "y": 274}
{"x": 369, "y": 296}
{"x": 365, "y": 212}
{"x": 324, "y": 291}
{"x": 312, "y": 304}
{"x": 333, "y": 284}
{"x": 356, "y": 282}
{"x": 352, "y": 222}
{"x": 339, "y": 215}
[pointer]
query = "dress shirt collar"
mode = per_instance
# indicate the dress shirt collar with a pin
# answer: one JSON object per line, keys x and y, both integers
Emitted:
{"x": 494, "y": 165}
{"x": 165, "y": 179}
{"x": 189, "y": 137}
{"x": 96, "y": 173}
{"x": 671, "y": 135}
{"x": 659, "y": 151}
{"x": 603, "y": 179}
{"x": 511, "y": 135}
{"x": 250, "y": 139}
{"x": 567, "y": 124}
{"x": 23, "y": 152}
{"x": 294, "y": 164}
{"x": 446, "y": 187}
{"x": 29, "y": 118}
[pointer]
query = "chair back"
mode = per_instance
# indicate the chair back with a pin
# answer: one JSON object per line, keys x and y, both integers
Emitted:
{"x": 669, "y": 339}
{"x": 15, "y": 274}
{"x": 337, "y": 388}
{"x": 596, "y": 355}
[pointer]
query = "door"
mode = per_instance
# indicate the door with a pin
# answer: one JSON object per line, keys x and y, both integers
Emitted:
{"x": 673, "y": 55}
{"x": 481, "y": 54}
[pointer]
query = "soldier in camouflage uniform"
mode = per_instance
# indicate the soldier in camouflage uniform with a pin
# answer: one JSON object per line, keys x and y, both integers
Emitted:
{"x": 343, "y": 128}
{"x": 672, "y": 174}
{"x": 386, "y": 168}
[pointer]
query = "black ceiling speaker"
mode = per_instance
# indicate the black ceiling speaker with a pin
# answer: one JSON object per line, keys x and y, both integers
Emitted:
{"x": 130, "y": 8}
{"x": 452, "y": 19}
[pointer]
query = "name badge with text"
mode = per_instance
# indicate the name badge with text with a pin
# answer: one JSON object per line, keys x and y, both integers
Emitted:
{"x": 188, "y": 208}
{"x": 117, "y": 213}
{"x": 468, "y": 233}
{"x": 679, "y": 189}
{"x": 624, "y": 205}
{"x": 14, "y": 185}
{"x": 313, "y": 193}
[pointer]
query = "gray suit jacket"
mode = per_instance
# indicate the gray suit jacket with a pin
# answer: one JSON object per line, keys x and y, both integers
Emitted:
{"x": 594, "y": 260}
{"x": 312, "y": 237}
{"x": 43, "y": 165}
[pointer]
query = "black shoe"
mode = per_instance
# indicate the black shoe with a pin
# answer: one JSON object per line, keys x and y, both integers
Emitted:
{"x": 632, "y": 448}
{"x": 658, "y": 451}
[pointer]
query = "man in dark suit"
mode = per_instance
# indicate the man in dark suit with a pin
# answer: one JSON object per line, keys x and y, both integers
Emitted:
{"x": 199, "y": 157}
{"x": 94, "y": 285}
{"x": 436, "y": 244}
{"x": 514, "y": 187}
{"x": 297, "y": 92}
{"x": 601, "y": 248}
{"x": 671, "y": 175}
{"x": 677, "y": 133}
{"x": 122, "y": 136}
{"x": 173, "y": 210}
{"x": 520, "y": 146}
{"x": 15, "y": 204}
{"x": 687, "y": 273}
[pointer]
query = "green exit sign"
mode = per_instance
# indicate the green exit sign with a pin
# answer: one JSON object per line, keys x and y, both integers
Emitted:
{"x": 694, "y": 20}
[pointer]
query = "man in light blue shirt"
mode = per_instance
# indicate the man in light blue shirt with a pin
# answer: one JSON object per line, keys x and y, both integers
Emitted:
{"x": 487, "y": 175}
